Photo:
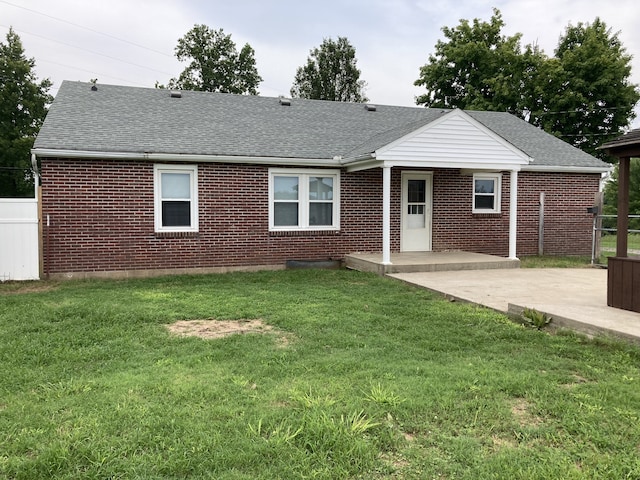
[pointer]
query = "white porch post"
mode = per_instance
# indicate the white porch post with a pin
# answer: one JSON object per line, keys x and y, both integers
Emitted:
{"x": 386, "y": 215}
{"x": 513, "y": 214}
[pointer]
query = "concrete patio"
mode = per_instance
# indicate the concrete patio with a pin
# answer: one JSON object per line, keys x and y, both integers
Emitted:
{"x": 575, "y": 298}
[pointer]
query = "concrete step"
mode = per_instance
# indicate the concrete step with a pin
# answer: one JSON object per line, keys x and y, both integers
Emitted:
{"x": 410, "y": 262}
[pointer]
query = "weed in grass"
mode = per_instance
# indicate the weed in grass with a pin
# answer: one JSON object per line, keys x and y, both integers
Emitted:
{"x": 536, "y": 319}
{"x": 307, "y": 400}
{"x": 383, "y": 396}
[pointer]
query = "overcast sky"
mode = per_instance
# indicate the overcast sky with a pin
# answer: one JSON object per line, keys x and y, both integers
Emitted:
{"x": 131, "y": 42}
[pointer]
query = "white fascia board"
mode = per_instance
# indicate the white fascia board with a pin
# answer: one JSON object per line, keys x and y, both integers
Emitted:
{"x": 189, "y": 158}
{"x": 363, "y": 165}
{"x": 452, "y": 114}
{"x": 561, "y": 169}
{"x": 479, "y": 167}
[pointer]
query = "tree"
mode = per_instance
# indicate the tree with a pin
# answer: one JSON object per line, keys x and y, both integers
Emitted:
{"x": 215, "y": 64}
{"x": 23, "y": 106}
{"x": 591, "y": 98}
{"x": 477, "y": 68}
{"x": 582, "y": 94}
{"x": 330, "y": 74}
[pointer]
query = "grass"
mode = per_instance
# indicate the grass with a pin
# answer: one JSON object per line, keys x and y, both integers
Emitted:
{"x": 555, "y": 261}
{"x": 610, "y": 241}
{"x": 376, "y": 379}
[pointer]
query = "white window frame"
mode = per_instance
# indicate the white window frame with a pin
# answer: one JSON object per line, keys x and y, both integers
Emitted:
{"x": 303, "y": 198}
{"x": 497, "y": 190}
{"x": 192, "y": 170}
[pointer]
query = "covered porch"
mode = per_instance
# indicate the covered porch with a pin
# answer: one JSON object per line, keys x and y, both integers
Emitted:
{"x": 409, "y": 262}
{"x": 457, "y": 142}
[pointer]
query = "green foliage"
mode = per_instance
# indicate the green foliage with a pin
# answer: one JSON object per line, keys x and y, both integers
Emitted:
{"x": 377, "y": 380}
{"x": 330, "y": 74}
{"x": 596, "y": 100}
{"x": 583, "y": 94}
{"x": 23, "y": 106}
{"x": 611, "y": 195}
{"x": 215, "y": 64}
{"x": 555, "y": 261}
{"x": 477, "y": 68}
{"x": 535, "y": 318}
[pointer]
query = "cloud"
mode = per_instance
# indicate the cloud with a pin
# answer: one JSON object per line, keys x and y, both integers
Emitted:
{"x": 393, "y": 38}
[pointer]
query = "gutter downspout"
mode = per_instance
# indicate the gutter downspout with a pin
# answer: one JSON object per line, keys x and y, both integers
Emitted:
{"x": 36, "y": 174}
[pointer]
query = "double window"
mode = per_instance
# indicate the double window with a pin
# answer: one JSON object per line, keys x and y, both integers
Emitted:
{"x": 304, "y": 199}
{"x": 176, "y": 198}
{"x": 486, "y": 192}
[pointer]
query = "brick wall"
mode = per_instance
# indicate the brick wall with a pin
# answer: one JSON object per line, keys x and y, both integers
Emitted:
{"x": 101, "y": 216}
{"x": 567, "y": 225}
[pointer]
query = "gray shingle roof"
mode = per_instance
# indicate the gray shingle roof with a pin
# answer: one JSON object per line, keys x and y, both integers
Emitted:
{"x": 136, "y": 120}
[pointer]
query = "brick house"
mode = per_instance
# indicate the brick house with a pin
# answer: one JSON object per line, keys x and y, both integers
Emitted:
{"x": 141, "y": 181}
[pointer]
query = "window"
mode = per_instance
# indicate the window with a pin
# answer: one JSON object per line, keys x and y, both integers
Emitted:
{"x": 486, "y": 193}
{"x": 176, "y": 198}
{"x": 304, "y": 199}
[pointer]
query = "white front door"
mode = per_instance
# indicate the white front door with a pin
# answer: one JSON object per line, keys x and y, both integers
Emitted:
{"x": 416, "y": 212}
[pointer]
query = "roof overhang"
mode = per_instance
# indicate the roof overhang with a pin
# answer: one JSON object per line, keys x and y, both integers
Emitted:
{"x": 565, "y": 169}
{"x": 373, "y": 162}
{"x": 186, "y": 158}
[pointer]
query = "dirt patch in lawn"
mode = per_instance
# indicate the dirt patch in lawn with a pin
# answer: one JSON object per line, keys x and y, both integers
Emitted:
{"x": 19, "y": 288}
{"x": 212, "y": 328}
{"x": 521, "y": 410}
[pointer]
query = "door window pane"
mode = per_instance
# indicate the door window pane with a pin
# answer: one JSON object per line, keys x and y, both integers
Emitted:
{"x": 416, "y": 191}
{"x": 285, "y": 214}
{"x": 176, "y": 185}
{"x": 285, "y": 188}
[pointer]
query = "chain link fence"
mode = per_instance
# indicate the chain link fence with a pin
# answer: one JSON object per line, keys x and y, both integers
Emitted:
{"x": 604, "y": 237}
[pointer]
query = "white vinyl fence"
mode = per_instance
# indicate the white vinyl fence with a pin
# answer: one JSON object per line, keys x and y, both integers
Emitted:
{"x": 19, "y": 246}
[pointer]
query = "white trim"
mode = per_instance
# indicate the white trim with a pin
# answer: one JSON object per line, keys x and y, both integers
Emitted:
{"x": 192, "y": 170}
{"x": 524, "y": 159}
{"x": 497, "y": 194}
{"x": 428, "y": 177}
{"x": 559, "y": 169}
{"x": 386, "y": 215}
{"x": 364, "y": 162}
{"x": 178, "y": 157}
{"x": 368, "y": 164}
{"x": 303, "y": 199}
{"x": 513, "y": 215}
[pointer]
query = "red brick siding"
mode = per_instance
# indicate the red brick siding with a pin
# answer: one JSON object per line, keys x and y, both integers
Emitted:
{"x": 102, "y": 217}
{"x": 567, "y": 225}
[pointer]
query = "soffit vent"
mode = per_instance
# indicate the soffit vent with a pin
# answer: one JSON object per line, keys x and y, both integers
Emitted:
{"x": 175, "y": 94}
{"x": 285, "y": 102}
{"x": 370, "y": 108}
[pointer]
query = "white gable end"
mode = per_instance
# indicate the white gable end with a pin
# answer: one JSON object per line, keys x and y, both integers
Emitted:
{"x": 453, "y": 141}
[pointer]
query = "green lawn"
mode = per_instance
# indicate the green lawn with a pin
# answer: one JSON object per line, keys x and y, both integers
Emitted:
{"x": 609, "y": 241}
{"x": 361, "y": 377}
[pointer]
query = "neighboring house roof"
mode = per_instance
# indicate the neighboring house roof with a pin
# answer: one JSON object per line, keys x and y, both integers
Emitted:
{"x": 117, "y": 119}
